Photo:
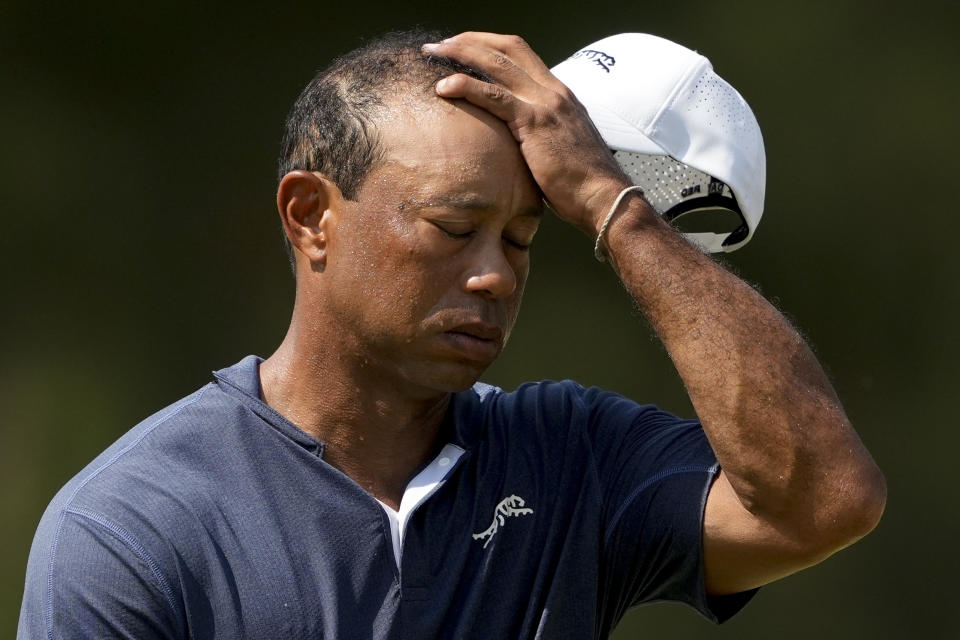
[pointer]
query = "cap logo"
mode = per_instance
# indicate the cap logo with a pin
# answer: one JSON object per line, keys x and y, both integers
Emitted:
{"x": 603, "y": 59}
{"x": 716, "y": 186}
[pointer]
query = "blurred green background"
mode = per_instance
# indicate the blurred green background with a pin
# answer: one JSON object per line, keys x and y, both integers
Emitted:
{"x": 140, "y": 246}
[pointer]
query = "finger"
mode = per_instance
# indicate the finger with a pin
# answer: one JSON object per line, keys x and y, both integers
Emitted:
{"x": 493, "y": 97}
{"x": 513, "y": 46}
{"x": 494, "y": 64}
{"x": 505, "y": 59}
{"x": 517, "y": 49}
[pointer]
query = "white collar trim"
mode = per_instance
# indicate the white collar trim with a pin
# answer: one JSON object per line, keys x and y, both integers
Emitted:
{"x": 419, "y": 489}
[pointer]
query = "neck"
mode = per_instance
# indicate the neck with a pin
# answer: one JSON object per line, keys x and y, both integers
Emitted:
{"x": 373, "y": 432}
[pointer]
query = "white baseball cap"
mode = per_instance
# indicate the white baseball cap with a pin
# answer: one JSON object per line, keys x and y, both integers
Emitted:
{"x": 679, "y": 130}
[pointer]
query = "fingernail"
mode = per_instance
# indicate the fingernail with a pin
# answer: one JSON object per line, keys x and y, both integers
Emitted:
{"x": 441, "y": 85}
{"x": 430, "y": 47}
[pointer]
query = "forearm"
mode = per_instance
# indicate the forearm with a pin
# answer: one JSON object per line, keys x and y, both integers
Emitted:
{"x": 771, "y": 415}
{"x": 797, "y": 483}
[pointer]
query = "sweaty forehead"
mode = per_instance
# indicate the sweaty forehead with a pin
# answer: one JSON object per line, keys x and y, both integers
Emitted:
{"x": 456, "y": 130}
{"x": 451, "y": 152}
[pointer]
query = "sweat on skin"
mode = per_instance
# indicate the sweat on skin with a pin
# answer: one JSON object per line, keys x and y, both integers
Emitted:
{"x": 405, "y": 293}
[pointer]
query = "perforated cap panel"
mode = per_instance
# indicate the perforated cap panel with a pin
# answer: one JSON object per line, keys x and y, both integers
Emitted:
{"x": 716, "y": 106}
{"x": 667, "y": 182}
{"x": 688, "y": 126}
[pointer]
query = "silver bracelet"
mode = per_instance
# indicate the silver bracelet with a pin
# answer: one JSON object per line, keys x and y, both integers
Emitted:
{"x": 597, "y": 253}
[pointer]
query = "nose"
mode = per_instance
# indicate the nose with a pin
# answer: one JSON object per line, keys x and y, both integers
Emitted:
{"x": 491, "y": 274}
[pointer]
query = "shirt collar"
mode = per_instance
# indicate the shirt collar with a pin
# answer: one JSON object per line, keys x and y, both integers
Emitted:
{"x": 242, "y": 381}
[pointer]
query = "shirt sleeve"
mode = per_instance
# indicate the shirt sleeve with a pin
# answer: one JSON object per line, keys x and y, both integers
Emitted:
{"x": 87, "y": 577}
{"x": 655, "y": 472}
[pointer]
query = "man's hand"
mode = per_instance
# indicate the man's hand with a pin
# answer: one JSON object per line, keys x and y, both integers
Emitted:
{"x": 797, "y": 483}
{"x": 566, "y": 155}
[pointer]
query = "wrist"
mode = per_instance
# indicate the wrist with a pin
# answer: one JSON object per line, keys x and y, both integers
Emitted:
{"x": 599, "y": 203}
{"x": 627, "y": 209}
{"x": 599, "y": 248}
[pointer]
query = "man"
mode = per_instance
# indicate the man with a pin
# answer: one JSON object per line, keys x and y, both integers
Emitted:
{"x": 358, "y": 484}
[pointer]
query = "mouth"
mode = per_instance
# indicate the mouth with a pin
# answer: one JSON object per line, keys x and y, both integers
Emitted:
{"x": 476, "y": 341}
{"x": 480, "y": 331}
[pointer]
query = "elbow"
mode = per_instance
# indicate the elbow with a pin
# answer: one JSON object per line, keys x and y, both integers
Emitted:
{"x": 854, "y": 512}
{"x": 866, "y": 503}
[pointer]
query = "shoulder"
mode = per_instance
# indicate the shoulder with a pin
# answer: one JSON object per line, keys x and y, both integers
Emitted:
{"x": 550, "y": 414}
{"x": 172, "y": 437}
{"x": 118, "y": 514}
{"x": 153, "y": 473}
{"x": 564, "y": 402}
{"x": 562, "y": 394}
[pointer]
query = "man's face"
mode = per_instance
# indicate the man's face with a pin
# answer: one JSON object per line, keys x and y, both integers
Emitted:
{"x": 426, "y": 268}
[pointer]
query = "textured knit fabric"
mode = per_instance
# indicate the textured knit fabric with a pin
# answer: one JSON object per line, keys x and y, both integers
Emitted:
{"x": 218, "y": 518}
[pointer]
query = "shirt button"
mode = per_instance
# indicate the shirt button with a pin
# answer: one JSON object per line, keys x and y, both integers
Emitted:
{"x": 444, "y": 461}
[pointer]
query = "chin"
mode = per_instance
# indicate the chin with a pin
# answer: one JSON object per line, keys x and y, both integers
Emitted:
{"x": 451, "y": 378}
{"x": 454, "y": 387}
{"x": 456, "y": 384}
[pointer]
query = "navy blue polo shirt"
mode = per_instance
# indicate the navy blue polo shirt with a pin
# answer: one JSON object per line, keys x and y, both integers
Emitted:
{"x": 551, "y": 511}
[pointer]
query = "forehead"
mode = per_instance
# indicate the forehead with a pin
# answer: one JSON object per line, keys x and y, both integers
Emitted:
{"x": 433, "y": 147}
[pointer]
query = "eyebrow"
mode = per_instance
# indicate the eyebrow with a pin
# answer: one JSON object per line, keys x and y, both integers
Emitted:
{"x": 467, "y": 202}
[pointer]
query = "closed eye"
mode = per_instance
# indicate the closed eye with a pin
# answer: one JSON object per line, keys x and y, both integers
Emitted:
{"x": 517, "y": 245}
{"x": 520, "y": 240}
{"x": 520, "y": 236}
{"x": 455, "y": 232}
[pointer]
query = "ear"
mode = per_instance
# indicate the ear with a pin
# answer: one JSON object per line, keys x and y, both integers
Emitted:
{"x": 306, "y": 202}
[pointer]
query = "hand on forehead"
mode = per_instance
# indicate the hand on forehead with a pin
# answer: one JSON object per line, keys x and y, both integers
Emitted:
{"x": 565, "y": 154}
{"x": 452, "y": 155}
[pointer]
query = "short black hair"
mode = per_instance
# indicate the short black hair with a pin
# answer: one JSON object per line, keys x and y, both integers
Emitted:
{"x": 331, "y": 127}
